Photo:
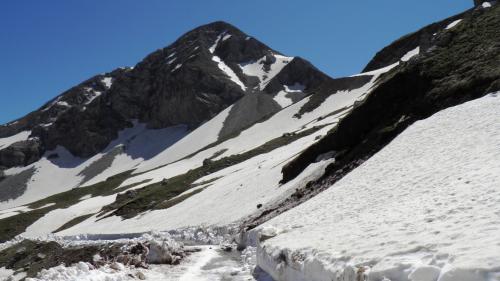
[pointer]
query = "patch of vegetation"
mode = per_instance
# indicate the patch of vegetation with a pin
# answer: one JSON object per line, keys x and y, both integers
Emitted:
{"x": 159, "y": 195}
{"x": 17, "y": 224}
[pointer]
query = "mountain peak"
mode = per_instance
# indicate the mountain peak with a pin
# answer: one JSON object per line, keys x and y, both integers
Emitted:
{"x": 186, "y": 83}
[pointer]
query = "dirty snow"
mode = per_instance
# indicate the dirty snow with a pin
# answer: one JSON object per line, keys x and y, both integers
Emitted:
{"x": 424, "y": 208}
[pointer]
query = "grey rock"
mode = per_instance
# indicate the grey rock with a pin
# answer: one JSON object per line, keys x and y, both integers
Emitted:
{"x": 21, "y": 153}
{"x": 12, "y": 187}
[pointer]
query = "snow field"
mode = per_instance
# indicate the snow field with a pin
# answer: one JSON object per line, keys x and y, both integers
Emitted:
{"x": 425, "y": 208}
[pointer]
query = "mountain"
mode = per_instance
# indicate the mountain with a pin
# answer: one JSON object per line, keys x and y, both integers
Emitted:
{"x": 219, "y": 138}
{"x": 181, "y": 86}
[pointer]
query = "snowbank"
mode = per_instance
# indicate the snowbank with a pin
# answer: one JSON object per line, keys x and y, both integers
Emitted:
{"x": 424, "y": 208}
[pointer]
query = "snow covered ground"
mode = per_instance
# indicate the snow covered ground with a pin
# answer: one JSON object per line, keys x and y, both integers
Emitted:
{"x": 424, "y": 208}
{"x": 211, "y": 263}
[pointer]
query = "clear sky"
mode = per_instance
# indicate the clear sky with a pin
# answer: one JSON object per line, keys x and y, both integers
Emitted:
{"x": 47, "y": 47}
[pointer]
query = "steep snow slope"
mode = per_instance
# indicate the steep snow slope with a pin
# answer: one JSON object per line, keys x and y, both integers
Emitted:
{"x": 424, "y": 208}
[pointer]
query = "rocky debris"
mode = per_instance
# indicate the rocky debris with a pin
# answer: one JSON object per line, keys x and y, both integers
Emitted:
{"x": 128, "y": 195}
{"x": 34, "y": 256}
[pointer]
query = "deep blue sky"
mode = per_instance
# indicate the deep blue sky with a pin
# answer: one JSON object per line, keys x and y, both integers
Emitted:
{"x": 47, "y": 47}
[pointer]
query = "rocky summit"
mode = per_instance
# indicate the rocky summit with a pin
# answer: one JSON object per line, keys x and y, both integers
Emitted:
{"x": 219, "y": 158}
{"x": 188, "y": 82}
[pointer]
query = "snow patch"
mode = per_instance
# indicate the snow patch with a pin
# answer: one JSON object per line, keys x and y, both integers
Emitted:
{"x": 107, "y": 81}
{"x": 256, "y": 68}
{"x": 171, "y": 61}
{"x": 229, "y": 72}
{"x": 453, "y": 24}
{"x": 216, "y": 43}
{"x": 411, "y": 54}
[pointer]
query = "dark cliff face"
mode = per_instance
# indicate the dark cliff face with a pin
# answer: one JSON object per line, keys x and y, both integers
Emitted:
{"x": 462, "y": 64}
{"x": 424, "y": 38}
{"x": 179, "y": 84}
